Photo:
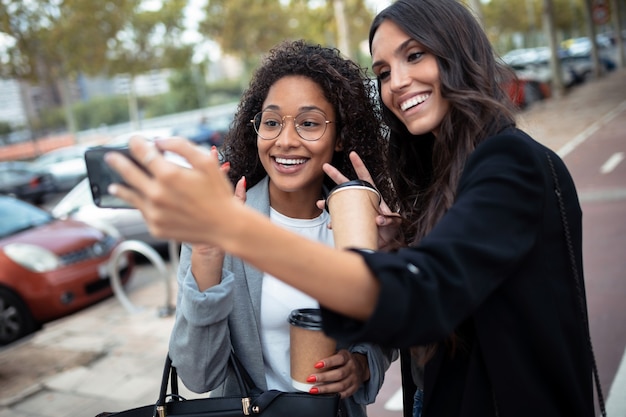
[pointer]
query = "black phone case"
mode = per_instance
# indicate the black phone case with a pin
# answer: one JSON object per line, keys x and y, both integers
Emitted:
{"x": 101, "y": 175}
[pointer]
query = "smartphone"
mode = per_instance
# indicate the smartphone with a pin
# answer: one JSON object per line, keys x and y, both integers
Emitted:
{"x": 101, "y": 175}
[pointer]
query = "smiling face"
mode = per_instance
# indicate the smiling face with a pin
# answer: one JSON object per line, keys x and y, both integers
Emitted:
{"x": 293, "y": 164}
{"x": 409, "y": 79}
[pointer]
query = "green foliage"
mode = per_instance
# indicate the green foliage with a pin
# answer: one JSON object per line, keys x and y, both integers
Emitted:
{"x": 504, "y": 18}
{"x": 50, "y": 120}
{"x": 224, "y": 92}
{"x": 101, "y": 111}
{"x": 161, "y": 105}
{"x": 5, "y": 128}
{"x": 187, "y": 89}
{"x": 113, "y": 110}
{"x": 150, "y": 39}
{"x": 247, "y": 29}
{"x": 54, "y": 39}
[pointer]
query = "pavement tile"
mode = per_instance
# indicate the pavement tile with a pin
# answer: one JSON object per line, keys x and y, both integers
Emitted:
{"x": 69, "y": 380}
{"x": 56, "y": 404}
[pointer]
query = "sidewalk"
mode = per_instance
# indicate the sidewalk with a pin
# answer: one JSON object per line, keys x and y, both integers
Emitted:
{"x": 107, "y": 359}
{"x": 556, "y": 122}
{"x": 101, "y": 359}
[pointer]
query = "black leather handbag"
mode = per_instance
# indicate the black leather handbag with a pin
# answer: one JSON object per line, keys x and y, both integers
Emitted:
{"x": 252, "y": 401}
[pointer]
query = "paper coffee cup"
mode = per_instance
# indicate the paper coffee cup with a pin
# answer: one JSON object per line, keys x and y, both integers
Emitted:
{"x": 353, "y": 207}
{"x": 308, "y": 345}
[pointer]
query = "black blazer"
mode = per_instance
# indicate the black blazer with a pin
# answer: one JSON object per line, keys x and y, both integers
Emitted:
{"x": 494, "y": 271}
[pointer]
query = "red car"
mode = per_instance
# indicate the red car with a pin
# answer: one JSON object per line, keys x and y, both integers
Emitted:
{"x": 524, "y": 92}
{"x": 50, "y": 268}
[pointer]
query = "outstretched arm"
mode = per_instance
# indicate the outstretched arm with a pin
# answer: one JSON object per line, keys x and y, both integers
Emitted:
{"x": 197, "y": 206}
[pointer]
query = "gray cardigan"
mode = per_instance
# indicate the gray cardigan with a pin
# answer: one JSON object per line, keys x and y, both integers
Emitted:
{"x": 227, "y": 315}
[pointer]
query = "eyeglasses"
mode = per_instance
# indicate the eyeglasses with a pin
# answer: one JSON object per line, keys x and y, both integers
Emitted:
{"x": 310, "y": 125}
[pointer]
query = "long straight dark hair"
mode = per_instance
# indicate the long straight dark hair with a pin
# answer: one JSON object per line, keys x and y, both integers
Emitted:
{"x": 425, "y": 172}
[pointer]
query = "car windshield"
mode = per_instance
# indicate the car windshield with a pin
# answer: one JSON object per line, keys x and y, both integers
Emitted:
{"x": 16, "y": 216}
{"x": 79, "y": 196}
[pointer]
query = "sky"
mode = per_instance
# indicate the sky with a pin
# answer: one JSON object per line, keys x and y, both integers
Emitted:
{"x": 378, "y": 5}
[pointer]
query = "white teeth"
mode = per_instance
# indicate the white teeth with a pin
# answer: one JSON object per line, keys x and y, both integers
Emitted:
{"x": 284, "y": 161}
{"x": 414, "y": 101}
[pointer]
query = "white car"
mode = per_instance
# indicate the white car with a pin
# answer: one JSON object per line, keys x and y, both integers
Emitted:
{"x": 65, "y": 165}
{"x": 78, "y": 204}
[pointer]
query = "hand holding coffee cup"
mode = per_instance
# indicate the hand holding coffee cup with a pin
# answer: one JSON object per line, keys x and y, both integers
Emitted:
{"x": 353, "y": 207}
{"x": 308, "y": 344}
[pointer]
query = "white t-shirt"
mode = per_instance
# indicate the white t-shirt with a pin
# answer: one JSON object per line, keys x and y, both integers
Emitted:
{"x": 279, "y": 299}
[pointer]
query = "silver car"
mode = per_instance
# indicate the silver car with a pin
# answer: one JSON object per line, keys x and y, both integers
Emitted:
{"x": 65, "y": 165}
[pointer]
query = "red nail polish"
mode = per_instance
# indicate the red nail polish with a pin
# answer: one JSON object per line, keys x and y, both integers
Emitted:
{"x": 311, "y": 378}
{"x": 226, "y": 164}
{"x": 314, "y": 390}
{"x": 319, "y": 365}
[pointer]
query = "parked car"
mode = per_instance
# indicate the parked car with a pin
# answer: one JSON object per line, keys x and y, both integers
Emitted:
{"x": 78, "y": 204}
{"x": 576, "y": 63}
{"x": 66, "y": 165}
{"x": 524, "y": 92}
{"x": 208, "y": 132}
{"x": 50, "y": 268}
{"x": 21, "y": 180}
{"x": 534, "y": 64}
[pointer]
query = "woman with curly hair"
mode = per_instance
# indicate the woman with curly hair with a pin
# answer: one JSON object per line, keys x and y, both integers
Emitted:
{"x": 306, "y": 106}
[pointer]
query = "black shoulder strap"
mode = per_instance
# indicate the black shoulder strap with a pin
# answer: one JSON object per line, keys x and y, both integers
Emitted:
{"x": 408, "y": 386}
{"x": 577, "y": 281}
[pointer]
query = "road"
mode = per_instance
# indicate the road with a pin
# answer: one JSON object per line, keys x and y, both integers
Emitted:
{"x": 599, "y": 171}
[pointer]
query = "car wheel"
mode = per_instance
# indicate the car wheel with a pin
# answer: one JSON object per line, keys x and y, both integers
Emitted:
{"x": 15, "y": 319}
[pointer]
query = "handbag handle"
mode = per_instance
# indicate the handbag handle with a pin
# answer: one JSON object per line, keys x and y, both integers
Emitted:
{"x": 578, "y": 282}
{"x": 245, "y": 382}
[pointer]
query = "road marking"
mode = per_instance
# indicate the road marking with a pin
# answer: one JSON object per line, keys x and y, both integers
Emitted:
{"x": 581, "y": 137}
{"x": 395, "y": 402}
{"x": 603, "y": 195}
{"x": 612, "y": 163}
{"x": 616, "y": 401}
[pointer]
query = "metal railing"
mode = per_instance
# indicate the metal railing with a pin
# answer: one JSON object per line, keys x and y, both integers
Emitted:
{"x": 153, "y": 256}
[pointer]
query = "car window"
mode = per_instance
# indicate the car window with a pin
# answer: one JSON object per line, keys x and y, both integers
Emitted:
{"x": 16, "y": 215}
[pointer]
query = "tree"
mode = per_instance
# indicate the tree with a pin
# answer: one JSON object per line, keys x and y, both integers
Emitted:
{"x": 247, "y": 29}
{"x": 617, "y": 30}
{"x": 555, "y": 62}
{"x": 53, "y": 40}
{"x": 505, "y": 17}
{"x": 148, "y": 40}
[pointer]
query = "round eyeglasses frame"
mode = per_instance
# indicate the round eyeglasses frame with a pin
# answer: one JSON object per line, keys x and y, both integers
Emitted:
{"x": 300, "y": 129}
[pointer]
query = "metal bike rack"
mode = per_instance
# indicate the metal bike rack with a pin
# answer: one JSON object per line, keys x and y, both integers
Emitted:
{"x": 153, "y": 256}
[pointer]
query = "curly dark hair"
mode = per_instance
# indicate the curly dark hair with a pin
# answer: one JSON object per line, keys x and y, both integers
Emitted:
{"x": 426, "y": 171}
{"x": 345, "y": 86}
